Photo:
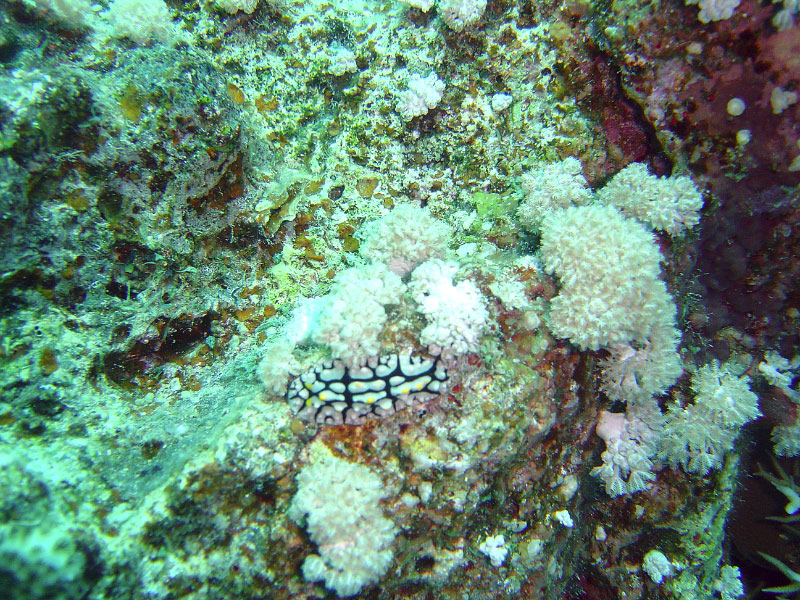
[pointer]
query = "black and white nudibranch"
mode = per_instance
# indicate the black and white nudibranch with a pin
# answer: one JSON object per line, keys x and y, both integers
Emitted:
{"x": 333, "y": 393}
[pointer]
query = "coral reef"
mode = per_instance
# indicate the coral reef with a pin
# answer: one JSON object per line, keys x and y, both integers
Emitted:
{"x": 398, "y": 299}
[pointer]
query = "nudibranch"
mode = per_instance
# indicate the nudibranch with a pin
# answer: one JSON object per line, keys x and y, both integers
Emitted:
{"x": 333, "y": 393}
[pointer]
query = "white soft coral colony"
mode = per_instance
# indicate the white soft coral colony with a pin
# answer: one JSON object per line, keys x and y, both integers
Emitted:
{"x": 337, "y": 501}
{"x": 782, "y": 374}
{"x": 423, "y": 94}
{"x": 669, "y": 204}
{"x": 552, "y": 187}
{"x": 714, "y": 10}
{"x": 404, "y": 238}
{"x": 631, "y": 441}
{"x": 609, "y": 269}
{"x": 348, "y": 320}
{"x": 698, "y": 435}
{"x": 461, "y": 14}
{"x": 455, "y": 311}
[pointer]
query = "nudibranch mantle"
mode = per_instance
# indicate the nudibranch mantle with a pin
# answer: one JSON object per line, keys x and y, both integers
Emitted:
{"x": 333, "y": 393}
